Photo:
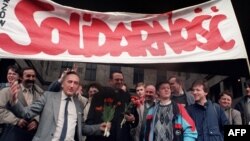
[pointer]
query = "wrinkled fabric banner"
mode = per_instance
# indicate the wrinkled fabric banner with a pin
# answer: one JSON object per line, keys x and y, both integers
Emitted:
{"x": 44, "y": 30}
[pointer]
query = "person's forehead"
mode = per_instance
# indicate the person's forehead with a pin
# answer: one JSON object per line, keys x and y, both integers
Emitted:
{"x": 150, "y": 88}
{"x": 165, "y": 85}
{"x": 11, "y": 71}
{"x": 173, "y": 79}
{"x": 93, "y": 88}
{"x": 140, "y": 88}
{"x": 30, "y": 71}
{"x": 117, "y": 75}
{"x": 226, "y": 96}
{"x": 72, "y": 77}
{"x": 198, "y": 86}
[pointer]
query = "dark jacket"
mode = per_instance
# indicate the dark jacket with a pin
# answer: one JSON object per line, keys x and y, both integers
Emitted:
{"x": 121, "y": 99}
{"x": 209, "y": 121}
{"x": 55, "y": 86}
{"x": 240, "y": 106}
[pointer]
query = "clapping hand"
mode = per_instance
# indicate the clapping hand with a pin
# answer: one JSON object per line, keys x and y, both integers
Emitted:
{"x": 14, "y": 90}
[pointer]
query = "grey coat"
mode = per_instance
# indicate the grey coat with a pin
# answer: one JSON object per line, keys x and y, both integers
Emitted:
{"x": 6, "y": 116}
{"x": 48, "y": 107}
{"x": 233, "y": 116}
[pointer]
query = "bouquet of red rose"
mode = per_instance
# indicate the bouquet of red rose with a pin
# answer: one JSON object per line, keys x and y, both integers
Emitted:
{"x": 108, "y": 113}
{"x": 134, "y": 102}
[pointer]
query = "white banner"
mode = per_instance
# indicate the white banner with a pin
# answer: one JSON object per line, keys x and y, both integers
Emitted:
{"x": 44, "y": 30}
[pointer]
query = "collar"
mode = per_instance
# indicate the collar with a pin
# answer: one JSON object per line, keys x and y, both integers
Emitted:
{"x": 23, "y": 88}
{"x": 166, "y": 103}
{"x": 182, "y": 92}
{"x": 64, "y": 96}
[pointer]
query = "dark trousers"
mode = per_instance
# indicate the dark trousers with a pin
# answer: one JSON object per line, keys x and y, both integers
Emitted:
{"x": 15, "y": 133}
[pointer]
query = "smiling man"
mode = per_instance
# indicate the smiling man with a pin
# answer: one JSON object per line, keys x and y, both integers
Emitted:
{"x": 209, "y": 117}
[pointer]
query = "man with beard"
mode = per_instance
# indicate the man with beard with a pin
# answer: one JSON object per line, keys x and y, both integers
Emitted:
{"x": 244, "y": 105}
{"x": 21, "y": 129}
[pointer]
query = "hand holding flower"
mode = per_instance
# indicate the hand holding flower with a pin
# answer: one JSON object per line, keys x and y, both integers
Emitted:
{"x": 135, "y": 102}
{"x": 107, "y": 115}
{"x": 129, "y": 117}
{"x": 105, "y": 126}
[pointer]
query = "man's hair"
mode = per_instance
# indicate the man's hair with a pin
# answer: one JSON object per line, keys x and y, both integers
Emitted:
{"x": 68, "y": 73}
{"x": 158, "y": 85}
{"x": 139, "y": 84}
{"x": 201, "y": 82}
{"x": 115, "y": 71}
{"x": 177, "y": 79}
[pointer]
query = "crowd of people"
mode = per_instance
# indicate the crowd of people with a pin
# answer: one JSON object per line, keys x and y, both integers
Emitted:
{"x": 156, "y": 112}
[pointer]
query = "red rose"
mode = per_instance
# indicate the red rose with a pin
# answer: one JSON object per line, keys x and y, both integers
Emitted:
{"x": 99, "y": 108}
{"x": 149, "y": 117}
{"x": 178, "y": 126}
{"x": 108, "y": 100}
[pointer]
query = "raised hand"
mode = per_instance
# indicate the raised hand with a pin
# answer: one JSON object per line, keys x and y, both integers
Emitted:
{"x": 74, "y": 68}
{"x": 63, "y": 74}
{"x": 14, "y": 90}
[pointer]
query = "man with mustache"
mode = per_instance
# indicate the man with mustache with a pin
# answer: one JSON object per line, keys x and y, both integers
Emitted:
{"x": 29, "y": 92}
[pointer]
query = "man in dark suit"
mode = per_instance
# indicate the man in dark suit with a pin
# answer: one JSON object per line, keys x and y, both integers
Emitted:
{"x": 120, "y": 99}
{"x": 52, "y": 108}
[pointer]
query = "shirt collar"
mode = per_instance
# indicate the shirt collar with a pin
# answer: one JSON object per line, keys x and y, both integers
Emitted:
{"x": 23, "y": 88}
{"x": 64, "y": 96}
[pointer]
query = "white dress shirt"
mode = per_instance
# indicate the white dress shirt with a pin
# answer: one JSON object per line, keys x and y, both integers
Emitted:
{"x": 72, "y": 119}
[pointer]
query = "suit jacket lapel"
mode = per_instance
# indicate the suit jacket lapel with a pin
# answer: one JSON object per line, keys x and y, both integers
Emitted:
{"x": 79, "y": 116}
{"x": 56, "y": 104}
{"x": 36, "y": 95}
